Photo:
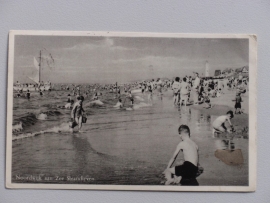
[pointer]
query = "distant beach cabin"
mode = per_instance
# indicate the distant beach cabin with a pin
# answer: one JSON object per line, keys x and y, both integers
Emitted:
{"x": 243, "y": 71}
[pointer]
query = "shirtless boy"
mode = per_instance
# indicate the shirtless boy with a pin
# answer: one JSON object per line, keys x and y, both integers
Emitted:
{"x": 219, "y": 123}
{"x": 189, "y": 168}
{"x": 176, "y": 90}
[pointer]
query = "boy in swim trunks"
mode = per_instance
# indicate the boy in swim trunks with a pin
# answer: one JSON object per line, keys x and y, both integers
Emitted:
{"x": 189, "y": 169}
{"x": 219, "y": 123}
{"x": 176, "y": 90}
{"x": 237, "y": 105}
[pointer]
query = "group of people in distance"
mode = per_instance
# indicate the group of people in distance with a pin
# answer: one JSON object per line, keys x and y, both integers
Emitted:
{"x": 182, "y": 90}
{"x": 205, "y": 88}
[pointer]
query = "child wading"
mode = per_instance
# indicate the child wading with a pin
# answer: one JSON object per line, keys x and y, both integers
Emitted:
{"x": 189, "y": 169}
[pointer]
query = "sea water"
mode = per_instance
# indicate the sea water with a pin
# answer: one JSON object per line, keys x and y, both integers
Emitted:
{"x": 117, "y": 146}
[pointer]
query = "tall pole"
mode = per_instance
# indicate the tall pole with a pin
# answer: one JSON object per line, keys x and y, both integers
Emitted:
{"x": 40, "y": 66}
{"x": 116, "y": 89}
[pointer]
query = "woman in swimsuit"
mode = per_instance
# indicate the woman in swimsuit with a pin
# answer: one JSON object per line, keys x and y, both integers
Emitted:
{"x": 77, "y": 113}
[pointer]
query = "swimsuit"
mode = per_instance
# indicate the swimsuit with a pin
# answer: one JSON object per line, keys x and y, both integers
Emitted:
{"x": 79, "y": 111}
{"x": 186, "y": 170}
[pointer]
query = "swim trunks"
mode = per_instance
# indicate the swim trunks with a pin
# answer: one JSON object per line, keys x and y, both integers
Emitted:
{"x": 237, "y": 105}
{"x": 186, "y": 170}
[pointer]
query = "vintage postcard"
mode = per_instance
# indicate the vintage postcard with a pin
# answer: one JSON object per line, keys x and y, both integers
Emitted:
{"x": 131, "y": 111}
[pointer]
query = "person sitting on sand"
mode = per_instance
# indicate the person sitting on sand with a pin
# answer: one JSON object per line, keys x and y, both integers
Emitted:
{"x": 189, "y": 169}
{"x": 237, "y": 106}
{"x": 77, "y": 113}
{"x": 119, "y": 104}
{"x": 219, "y": 123}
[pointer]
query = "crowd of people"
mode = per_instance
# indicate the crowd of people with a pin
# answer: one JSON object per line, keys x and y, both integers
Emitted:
{"x": 202, "y": 89}
{"x": 23, "y": 90}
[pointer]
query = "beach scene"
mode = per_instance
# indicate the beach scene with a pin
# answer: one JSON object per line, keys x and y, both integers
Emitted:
{"x": 130, "y": 111}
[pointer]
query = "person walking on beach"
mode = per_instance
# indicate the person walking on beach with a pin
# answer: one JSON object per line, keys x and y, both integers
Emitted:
{"x": 77, "y": 113}
{"x": 237, "y": 106}
{"x": 159, "y": 86}
{"x": 150, "y": 96}
{"x": 184, "y": 91}
{"x": 176, "y": 90}
{"x": 189, "y": 169}
{"x": 196, "y": 88}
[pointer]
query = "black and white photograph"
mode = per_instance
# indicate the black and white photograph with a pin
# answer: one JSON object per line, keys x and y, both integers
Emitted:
{"x": 131, "y": 111}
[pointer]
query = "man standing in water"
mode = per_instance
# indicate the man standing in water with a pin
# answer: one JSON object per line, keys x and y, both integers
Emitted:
{"x": 196, "y": 88}
{"x": 184, "y": 92}
{"x": 77, "y": 113}
{"x": 28, "y": 94}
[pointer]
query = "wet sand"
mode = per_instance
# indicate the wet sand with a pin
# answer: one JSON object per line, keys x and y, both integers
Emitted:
{"x": 130, "y": 148}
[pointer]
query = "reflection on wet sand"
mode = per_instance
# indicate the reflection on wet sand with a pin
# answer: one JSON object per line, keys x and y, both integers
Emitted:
{"x": 227, "y": 153}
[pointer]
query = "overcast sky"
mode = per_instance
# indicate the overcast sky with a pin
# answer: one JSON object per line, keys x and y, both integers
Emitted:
{"x": 91, "y": 59}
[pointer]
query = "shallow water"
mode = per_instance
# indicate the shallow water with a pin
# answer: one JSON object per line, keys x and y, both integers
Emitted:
{"x": 117, "y": 146}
